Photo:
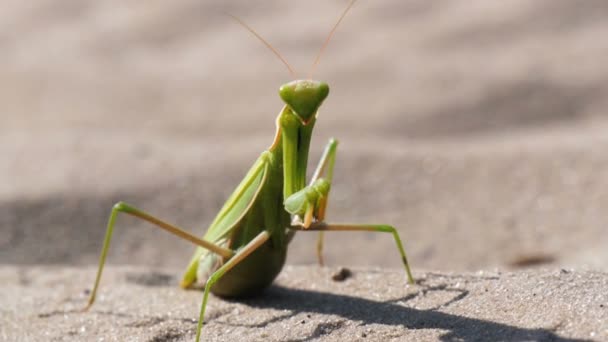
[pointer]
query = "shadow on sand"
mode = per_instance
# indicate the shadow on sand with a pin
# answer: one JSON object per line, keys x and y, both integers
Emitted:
{"x": 458, "y": 328}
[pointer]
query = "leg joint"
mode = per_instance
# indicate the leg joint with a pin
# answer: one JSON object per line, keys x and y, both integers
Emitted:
{"x": 123, "y": 207}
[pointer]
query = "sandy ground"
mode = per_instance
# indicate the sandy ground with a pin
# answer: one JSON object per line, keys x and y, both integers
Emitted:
{"x": 478, "y": 128}
{"x": 140, "y": 304}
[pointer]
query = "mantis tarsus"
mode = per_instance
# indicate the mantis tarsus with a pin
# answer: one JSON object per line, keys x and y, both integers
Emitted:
{"x": 245, "y": 246}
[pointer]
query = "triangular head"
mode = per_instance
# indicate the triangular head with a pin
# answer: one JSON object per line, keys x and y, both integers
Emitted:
{"x": 304, "y": 97}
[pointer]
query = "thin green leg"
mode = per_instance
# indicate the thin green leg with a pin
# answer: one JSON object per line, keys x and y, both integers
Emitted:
{"x": 325, "y": 168}
{"x": 127, "y": 209}
{"x": 322, "y": 226}
{"x": 238, "y": 257}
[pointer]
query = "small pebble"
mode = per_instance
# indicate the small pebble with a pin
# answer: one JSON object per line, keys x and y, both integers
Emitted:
{"x": 342, "y": 274}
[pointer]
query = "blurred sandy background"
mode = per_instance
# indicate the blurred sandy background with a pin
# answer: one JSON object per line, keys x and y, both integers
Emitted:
{"x": 478, "y": 128}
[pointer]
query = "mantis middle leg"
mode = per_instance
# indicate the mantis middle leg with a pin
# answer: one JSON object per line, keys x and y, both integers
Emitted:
{"x": 323, "y": 227}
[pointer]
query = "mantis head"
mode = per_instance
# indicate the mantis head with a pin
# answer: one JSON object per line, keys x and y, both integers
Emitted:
{"x": 304, "y": 97}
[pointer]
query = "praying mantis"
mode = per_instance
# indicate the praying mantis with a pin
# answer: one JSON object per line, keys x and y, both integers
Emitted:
{"x": 245, "y": 247}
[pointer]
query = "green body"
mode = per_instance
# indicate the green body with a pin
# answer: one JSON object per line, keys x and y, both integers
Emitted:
{"x": 257, "y": 204}
{"x": 264, "y": 213}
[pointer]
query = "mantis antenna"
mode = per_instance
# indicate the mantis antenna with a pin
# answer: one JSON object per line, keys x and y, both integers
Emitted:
{"x": 291, "y": 71}
{"x": 331, "y": 33}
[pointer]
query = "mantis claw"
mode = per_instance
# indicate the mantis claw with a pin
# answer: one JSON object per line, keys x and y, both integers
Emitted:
{"x": 308, "y": 205}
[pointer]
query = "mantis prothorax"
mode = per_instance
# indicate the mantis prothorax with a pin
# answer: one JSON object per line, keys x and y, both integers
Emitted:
{"x": 245, "y": 247}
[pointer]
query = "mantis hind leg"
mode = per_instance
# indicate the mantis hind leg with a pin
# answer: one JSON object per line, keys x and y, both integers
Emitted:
{"x": 253, "y": 245}
{"x": 323, "y": 227}
{"x": 122, "y": 207}
{"x": 325, "y": 169}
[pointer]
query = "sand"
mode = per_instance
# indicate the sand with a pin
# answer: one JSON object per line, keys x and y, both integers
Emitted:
{"x": 139, "y": 304}
{"x": 476, "y": 128}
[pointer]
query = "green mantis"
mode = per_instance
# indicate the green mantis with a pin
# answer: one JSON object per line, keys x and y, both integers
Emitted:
{"x": 245, "y": 247}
